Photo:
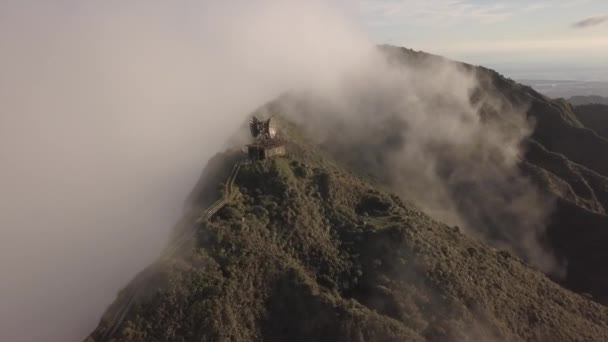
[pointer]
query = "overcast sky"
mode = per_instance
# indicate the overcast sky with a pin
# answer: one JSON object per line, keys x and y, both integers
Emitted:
{"x": 566, "y": 32}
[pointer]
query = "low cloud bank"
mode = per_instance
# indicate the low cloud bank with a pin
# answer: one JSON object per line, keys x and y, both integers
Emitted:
{"x": 428, "y": 128}
{"x": 109, "y": 110}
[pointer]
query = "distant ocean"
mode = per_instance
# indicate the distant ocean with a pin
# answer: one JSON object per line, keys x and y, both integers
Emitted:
{"x": 553, "y": 72}
{"x": 558, "y": 80}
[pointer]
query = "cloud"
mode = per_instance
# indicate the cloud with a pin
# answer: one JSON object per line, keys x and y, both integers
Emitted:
{"x": 394, "y": 12}
{"x": 383, "y": 13}
{"x": 109, "y": 110}
{"x": 591, "y": 21}
{"x": 434, "y": 132}
{"x": 533, "y": 7}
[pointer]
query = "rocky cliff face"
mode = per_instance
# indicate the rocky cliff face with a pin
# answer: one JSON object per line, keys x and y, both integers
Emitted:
{"x": 318, "y": 246}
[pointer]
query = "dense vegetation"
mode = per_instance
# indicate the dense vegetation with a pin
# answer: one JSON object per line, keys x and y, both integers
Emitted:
{"x": 309, "y": 251}
{"x": 595, "y": 117}
{"x": 312, "y": 248}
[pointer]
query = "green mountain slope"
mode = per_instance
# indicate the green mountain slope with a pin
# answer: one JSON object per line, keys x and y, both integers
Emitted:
{"x": 564, "y": 159}
{"x": 569, "y": 156}
{"x": 315, "y": 246}
{"x": 309, "y": 251}
{"x": 594, "y": 117}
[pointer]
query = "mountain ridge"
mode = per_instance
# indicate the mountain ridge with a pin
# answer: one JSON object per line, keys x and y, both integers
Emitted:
{"x": 588, "y": 100}
{"x": 560, "y": 132}
{"x": 312, "y": 247}
{"x": 594, "y": 116}
{"x": 367, "y": 268}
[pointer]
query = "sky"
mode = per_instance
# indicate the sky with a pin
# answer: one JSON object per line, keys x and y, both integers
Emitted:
{"x": 526, "y": 33}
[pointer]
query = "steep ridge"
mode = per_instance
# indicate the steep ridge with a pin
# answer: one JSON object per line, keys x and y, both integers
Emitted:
{"x": 557, "y": 127}
{"x": 588, "y": 100}
{"x": 565, "y": 159}
{"x": 595, "y": 117}
{"x": 311, "y": 247}
{"x": 572, "y": 182}
{"x": 137, "y": 290}
{"x": 566, "y": 150}
{"x": 308, "y": 250}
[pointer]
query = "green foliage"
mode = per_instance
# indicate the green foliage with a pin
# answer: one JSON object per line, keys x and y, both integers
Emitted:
{"x": 310, "y": 253}
{"x": 373, "y": 204}
{"x": 308, "y": 250}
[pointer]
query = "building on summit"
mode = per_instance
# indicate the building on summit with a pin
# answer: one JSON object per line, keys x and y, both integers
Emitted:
{"x": 267, "y": 144}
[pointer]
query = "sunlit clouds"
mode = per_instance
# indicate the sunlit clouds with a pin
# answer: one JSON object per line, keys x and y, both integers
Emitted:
{"x": 515, "y": 31}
